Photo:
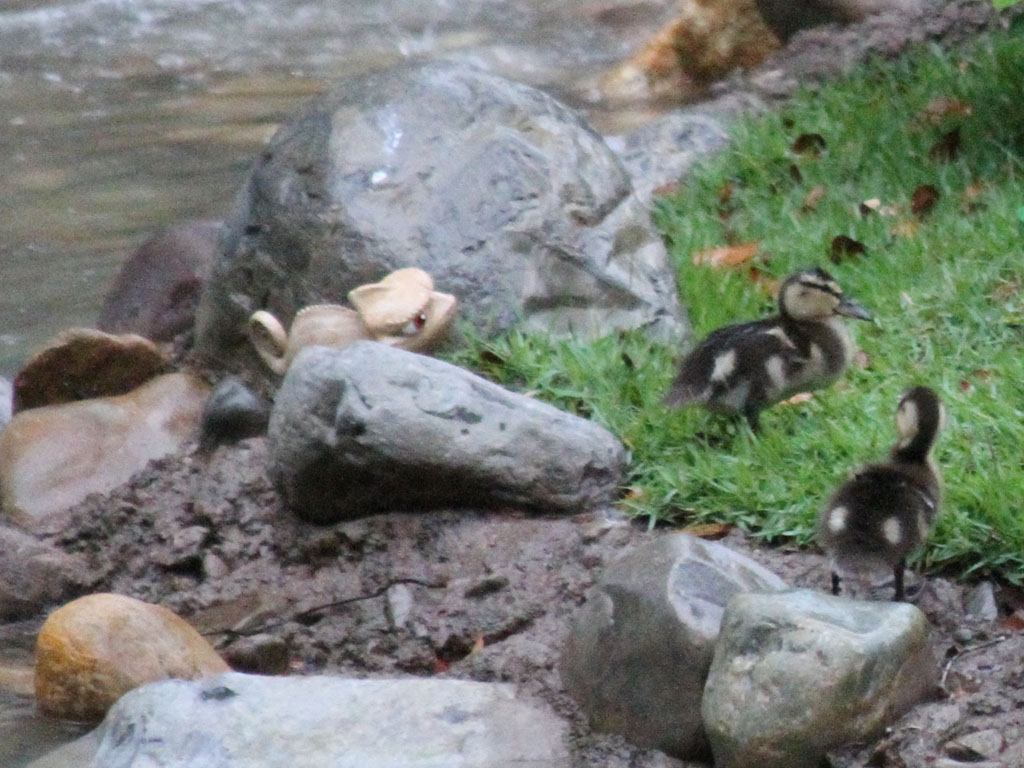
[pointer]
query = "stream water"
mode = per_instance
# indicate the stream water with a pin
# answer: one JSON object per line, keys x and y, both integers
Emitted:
{"x": 120, "y": 116}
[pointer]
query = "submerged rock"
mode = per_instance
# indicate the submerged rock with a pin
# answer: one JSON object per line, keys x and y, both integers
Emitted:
{"x": 95, "y": 649}
{"x": 504, "y": 195}
{"x": 264, "y": 722}
{"x": 797, "y": 674}
{"x": 373, "y": 428}
{"x": 157, "y": 290}
{"x": 638, "y": 652}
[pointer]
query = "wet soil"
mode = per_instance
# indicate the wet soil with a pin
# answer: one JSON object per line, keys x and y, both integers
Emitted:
{"x": 457, "y": 593}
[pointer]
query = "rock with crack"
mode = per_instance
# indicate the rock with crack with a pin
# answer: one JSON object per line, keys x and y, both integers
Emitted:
{"x": 797, "y": 674}
{"x": 504, "y": 195}
{"x": 372, "y": 428}
{"x": 638, "y": 652}
{"x": 259, "y": 722}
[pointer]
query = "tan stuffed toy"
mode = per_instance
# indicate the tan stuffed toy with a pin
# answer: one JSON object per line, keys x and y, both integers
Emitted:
{"x": 402, "y": 310}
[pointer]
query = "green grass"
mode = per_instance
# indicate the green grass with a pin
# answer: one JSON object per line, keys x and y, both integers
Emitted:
{"x": 947, "y": 291}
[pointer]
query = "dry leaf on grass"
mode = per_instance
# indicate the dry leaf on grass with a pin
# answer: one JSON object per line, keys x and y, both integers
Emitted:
{"x": 812, "y": 144}
{"x": 942, "y": 107}
{"x": 924, "y": 199}
{"x": 844, "y": 247}
{"x": 712, "y": 531}
{"x": 727, "y": 256}
{"x": 815, "y": 196}
{"x": 906, "y": 228}
{"x": 799, "y": 397}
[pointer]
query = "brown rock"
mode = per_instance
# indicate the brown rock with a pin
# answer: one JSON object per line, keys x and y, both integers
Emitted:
{"x": 95, "y": 649}
{"x": 82, "y": 363}
{"x": 157, "y": 290}
{"x": 704, "y": 42}
{"x": 53, "y": 457}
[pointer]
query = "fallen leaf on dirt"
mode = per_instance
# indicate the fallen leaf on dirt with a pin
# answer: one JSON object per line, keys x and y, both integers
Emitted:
{"x": 799, "y": 397}
{"x": 1015, "y": 621}
{"x": 712, "y": 531}
{"x": 728, "y": 256}
{"x": 666, "y": 189}
{"x": 906, "y": 228}
{"x": 946, "y": 148}
{"x": 725, "y": 192}
{"x": 809, "y": 144}
{"x": 924, "y": 199}
{"x": 441, "y": 666}
{"x": 845, "y": 247}
{"x": 815, "y": 196}
{"x": 941, "y": 107}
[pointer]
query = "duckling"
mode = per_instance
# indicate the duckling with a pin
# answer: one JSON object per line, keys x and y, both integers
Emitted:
{"x": 886, "y": 510}
{"x": 744, "y": 368}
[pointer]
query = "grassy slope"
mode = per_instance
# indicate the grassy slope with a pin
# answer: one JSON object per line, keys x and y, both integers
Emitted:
{"x": 947, "y": 289}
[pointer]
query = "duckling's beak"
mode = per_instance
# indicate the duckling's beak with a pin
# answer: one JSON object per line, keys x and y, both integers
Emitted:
{"x": 850, "y": 308}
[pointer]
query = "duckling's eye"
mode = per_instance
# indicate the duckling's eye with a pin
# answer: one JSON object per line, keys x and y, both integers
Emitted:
{"x": 415, "y": 325}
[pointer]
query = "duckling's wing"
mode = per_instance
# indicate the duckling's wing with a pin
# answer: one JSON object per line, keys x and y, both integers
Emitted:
{"x": 754, "y": 357}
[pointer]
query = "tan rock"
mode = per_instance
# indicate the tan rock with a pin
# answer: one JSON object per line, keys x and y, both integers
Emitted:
{"x": 82, "y": 363}
{"x": 95, "y": 649}
{"x": 704, "y": 42}
{"x": 54, "y": 456}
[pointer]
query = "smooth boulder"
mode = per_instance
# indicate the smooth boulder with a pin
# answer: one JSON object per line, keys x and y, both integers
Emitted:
{"x": 373, "y": 428}
{"x": 504, "y": 195}
{"x": 638, "y": 652}
{"x": 797, "y": 674}
{"x": 54, "y": 456}
{"x": 271, "y": 722}
{"x": 95, "y": 649}
{"x": 83, "y": 363}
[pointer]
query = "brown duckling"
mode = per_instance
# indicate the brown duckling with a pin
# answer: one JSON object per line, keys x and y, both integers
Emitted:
{"x": 744, "y": 368}
{"x": 886, "y": 510}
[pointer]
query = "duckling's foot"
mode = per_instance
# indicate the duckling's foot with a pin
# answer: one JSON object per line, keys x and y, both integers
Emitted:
{"x": 754, "y": 419}
{"x": 835, "y": 583}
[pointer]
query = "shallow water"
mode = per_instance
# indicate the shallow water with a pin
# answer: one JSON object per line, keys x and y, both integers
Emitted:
{"x": 119, "y": 116}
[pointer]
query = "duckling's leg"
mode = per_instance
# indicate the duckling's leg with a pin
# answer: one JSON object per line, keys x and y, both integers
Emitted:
{"x": 835, "y": 583}
{"x": 897, "y": 577}
{"x": 753, "y": 415}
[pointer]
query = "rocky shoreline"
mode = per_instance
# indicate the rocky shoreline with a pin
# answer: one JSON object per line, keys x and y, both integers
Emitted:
{"x": 452, "y": 594}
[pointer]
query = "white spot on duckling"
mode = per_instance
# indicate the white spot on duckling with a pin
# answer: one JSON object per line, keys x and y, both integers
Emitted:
{"x": 776, "y": 370}
{"x": 725, "y": 364}
{"x": 837, "y": 519}
{"x": 892, "y": 530}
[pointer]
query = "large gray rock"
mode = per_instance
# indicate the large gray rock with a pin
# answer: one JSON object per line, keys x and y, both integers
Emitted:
{"x": 503, "y": 194}
{"x": 236, "y": 720}
{"x": 372, "y": 427}
{"x": 639, "y": 650}
{"x": 787, "y": 17}
{"x": 797, "y": 674}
